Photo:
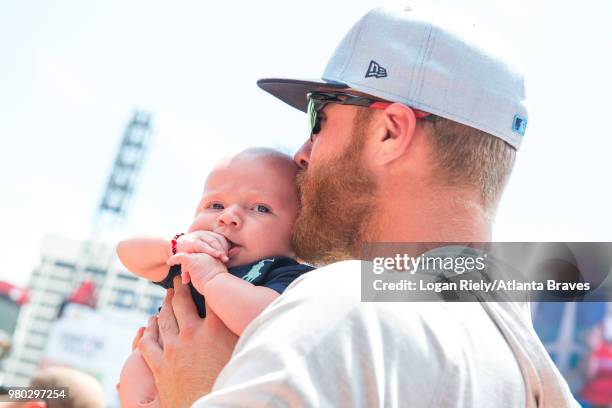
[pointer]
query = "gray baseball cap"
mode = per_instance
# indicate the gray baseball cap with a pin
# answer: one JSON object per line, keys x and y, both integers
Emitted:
{"x": 429, "y": 58}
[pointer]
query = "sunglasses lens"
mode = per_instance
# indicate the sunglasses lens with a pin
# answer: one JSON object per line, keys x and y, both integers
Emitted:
{"x": 313, "y": 119}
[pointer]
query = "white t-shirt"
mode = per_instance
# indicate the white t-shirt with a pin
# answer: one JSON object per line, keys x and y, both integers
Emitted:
{"x": 318, "y": 345}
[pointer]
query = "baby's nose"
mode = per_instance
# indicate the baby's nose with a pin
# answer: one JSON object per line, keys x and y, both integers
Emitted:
{"x": 230, "y": 218}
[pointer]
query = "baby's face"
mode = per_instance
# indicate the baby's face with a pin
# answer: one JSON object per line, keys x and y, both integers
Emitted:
{"x": 252, "y": 201}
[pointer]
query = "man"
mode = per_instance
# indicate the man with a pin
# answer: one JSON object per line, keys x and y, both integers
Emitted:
{"x": 82, "y": 390}
{"x": 413, "y": 134}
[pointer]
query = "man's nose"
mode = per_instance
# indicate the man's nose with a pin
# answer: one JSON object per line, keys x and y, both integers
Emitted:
{"x": 230, "y": 218}
{"x": 302, "y": 156}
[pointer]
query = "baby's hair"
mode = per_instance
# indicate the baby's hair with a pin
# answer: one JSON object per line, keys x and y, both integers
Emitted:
{"x": 265, "y": 153}
{"x": 282, "y": 161}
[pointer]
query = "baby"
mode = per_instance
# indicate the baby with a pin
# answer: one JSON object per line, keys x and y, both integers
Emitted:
{"x": 236, "y": 254}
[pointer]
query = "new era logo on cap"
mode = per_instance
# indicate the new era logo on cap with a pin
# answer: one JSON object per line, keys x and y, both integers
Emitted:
{"x": 375, "y": 70}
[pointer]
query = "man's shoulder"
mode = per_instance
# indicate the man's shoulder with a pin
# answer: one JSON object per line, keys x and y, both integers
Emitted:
{"x": 331, "y": 297}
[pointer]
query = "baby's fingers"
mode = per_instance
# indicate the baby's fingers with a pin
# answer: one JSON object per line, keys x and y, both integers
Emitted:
{"x": 177, "y": 259}
{"x": 185, "y": 277}
{"x": 217, "y": 241}
{"x": 208, "y": 249}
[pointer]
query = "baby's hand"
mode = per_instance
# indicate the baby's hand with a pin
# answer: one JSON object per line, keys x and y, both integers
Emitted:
{"x": 206, "y": 242}
{"x": 199, "y": 268}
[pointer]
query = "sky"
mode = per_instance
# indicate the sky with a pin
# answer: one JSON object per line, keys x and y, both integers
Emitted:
{"x": 73, "y": 72}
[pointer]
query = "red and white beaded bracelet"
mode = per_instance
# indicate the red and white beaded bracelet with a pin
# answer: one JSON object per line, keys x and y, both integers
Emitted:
{"x": 174, "y": 241}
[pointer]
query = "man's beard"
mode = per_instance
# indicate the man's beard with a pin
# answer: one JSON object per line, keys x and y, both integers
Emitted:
{"x": 337, "y": 202}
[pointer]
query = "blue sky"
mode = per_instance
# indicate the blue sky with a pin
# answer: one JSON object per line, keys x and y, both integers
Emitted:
{"x": 74, "y": 71}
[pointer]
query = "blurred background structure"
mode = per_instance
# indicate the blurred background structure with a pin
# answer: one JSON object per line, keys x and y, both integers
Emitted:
{"x": 12, "y": 298}
{"x": 81, "y": 307}
{"x": 578, "y": 337}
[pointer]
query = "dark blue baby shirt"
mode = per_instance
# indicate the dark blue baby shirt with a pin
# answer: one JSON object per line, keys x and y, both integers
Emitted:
{"x": 273, "y": 273}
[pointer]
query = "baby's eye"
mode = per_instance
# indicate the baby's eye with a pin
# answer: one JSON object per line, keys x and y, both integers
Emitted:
{"x": 215, "y": 206}
{"x": 261, "y": 208}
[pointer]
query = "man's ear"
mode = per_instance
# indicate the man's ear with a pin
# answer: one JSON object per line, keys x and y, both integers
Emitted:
{"x": 399, "y": 123}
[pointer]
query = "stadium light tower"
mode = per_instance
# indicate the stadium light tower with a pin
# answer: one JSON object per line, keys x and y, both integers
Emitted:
{"x": 93, "y": 262}
{"x": 124, "y": 175}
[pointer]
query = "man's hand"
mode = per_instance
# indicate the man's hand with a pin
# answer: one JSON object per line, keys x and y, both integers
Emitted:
{"x": 137, "y": 338}
{"x": 195, "y": 350}
{"x": 206, "y": 242}
{"x": 198, "y": 268}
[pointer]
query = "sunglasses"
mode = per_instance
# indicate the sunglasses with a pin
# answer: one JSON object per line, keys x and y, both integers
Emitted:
{"x": 318, "y": 100}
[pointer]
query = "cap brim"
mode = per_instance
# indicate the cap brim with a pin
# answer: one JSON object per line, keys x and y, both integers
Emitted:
{"x": 293, "y": 91}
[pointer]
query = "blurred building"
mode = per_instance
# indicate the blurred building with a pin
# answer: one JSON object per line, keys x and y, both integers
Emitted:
{"x": 64, "y": 267}
{"x": 12, "y": 298}
{"x": 87, "y": 274}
